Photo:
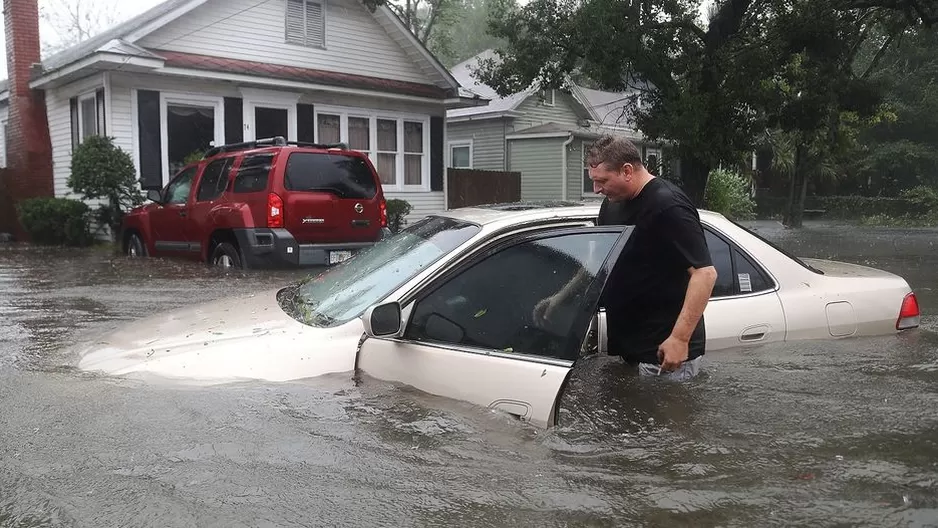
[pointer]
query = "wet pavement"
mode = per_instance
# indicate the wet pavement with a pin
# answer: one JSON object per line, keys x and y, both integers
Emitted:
{"x": 808, "y": 434}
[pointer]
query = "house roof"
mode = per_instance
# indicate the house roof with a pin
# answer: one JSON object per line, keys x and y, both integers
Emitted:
{"x": 462, "y": 72}
{"x": 120, "y": 40}
{"x": 603, "y": 106}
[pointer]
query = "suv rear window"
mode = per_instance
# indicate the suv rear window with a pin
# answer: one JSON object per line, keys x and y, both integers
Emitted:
{"x": 344, "y": 176}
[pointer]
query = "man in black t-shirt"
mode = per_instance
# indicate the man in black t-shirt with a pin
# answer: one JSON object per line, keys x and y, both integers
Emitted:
{"x": 658, "y": 289}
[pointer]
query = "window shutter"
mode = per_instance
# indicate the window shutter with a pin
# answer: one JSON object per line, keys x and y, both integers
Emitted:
{"x": 99, "y": 103}
{"x": 73, "y": 110}
{"x": 305, "y": 122}
{"x": 150, "y": 146}
{"x": 436, "y": 153}
{"x": 295, "y": 22}
{"x": 234, "y": 120}
{"x": 315, "y": 30}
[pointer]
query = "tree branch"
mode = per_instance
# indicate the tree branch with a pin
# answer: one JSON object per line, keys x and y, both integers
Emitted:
{"x": 878, "y": 56}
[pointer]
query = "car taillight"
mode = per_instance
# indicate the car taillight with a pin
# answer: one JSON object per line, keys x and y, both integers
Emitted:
{"x": 384, "y": 213}
{"x": 909, "y": 314}
{"x": 274, "y": 210}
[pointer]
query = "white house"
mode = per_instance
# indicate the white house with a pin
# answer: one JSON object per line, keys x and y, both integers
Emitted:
{"x": 189, "y": 73}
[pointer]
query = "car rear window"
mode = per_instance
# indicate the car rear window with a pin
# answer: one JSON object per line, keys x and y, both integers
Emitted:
{"x": 339, "y": 174}
{"x": 253, "y": 173}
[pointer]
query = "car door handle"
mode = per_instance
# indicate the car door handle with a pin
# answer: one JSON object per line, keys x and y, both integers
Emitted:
{"x": 754, "y": 333}
{"x": 182, "y": 213}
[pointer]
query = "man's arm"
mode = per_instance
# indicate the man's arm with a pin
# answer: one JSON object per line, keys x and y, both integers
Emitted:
{"x": 695, "y": 301}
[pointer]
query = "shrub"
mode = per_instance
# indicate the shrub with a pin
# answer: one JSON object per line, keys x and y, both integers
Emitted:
{"x": 102, "y": 170}
{"x": 56, "y": 221}
{"x": 397, "y": 210}
{"x": 728, "y": 193}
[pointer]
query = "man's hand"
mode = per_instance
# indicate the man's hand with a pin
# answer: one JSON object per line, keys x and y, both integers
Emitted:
{"x": 544, "y": 310}
{"x": 672, "y": 353}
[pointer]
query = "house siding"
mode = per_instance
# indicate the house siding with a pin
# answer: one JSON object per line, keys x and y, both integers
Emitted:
{"x": 488, "y": 142}
{"x": 58, "y": 113}
{"x": 539, "y": 162}
{"x": 246, "y": 29}
{"x": 535, "y": 113}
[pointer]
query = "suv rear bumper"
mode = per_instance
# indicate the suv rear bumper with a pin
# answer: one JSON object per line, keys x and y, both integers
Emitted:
{"x": 277, "y": 248}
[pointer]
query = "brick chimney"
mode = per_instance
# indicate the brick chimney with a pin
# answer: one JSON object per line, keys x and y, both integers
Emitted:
{"x": 29, "y": 149}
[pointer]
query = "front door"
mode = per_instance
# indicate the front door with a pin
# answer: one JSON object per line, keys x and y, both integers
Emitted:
{"x": 271, "y": 122}
{"x": 169, "y": 222}
{"x": 472, "y": 335}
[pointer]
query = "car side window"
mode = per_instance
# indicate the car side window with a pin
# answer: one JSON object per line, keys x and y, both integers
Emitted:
{"x": 214, "y": 179}
{"x": 253, "y": 173}
{"x": 737, "y": 274}
{"x": 723, "y": 262}
{"x": 177, "y": 192}
{"x": 490, "y": 305}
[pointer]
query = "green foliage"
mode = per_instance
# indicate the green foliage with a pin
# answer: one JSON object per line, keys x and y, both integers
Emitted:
{"x": 193, "y": 156}
{"x": 56, "y": 221}
{"x": 397, "y": 210}
{"x": 728, "y": 193}
{"x": 101, "y": 170}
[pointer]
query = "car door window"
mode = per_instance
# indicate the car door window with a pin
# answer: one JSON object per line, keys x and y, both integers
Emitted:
{"x": 737, "y": 273}
{"x": 214, "y": 179}
{"x": 253, "y": 173}
{"x": 177, "y": 192}
{"x": 490, "y": 305}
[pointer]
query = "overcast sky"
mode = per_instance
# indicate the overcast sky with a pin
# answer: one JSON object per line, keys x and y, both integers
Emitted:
{"x": 125, "y": 11}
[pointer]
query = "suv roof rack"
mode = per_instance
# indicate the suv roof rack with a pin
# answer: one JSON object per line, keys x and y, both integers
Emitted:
{"x": 276, "y": 141}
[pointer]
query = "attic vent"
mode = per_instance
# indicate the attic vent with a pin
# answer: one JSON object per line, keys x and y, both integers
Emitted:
{"x": 305, "y": 23}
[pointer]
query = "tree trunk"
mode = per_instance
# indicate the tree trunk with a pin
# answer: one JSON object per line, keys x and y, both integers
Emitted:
{"x": 799, "y": 184}
{"x": 694, "y": 175}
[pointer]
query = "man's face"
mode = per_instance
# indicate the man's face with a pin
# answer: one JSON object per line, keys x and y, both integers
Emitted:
{"x": 614, "y": 184}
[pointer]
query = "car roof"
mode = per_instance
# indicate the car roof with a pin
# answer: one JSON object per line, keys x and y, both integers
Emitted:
{"x": 532, "y": 211}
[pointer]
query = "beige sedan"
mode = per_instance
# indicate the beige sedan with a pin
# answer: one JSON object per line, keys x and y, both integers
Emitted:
{"x": 446, "y": 306}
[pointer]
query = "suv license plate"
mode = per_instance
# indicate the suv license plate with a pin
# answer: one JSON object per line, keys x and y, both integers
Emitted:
{"x": 336, "y": 257}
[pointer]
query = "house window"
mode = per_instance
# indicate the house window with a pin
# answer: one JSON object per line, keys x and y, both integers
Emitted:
{"x": 397, "y": 145}
{"x": 587, "y": 182}
{"x": 305, "y": 24}
{"x": 652, "y": 160}
{"x": 547, "y": 97}
{"x": 191, "y": 124}
{"x": 460, "y": 155}
{"x": 87, "y": 116}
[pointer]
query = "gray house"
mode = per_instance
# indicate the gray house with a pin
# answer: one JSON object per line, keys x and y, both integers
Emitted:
{"x": 541, "y": 134}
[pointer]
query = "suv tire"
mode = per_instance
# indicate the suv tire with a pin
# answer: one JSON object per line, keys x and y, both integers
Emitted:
{"x": 135, "y": 247}
{"x": 226, "y": 255}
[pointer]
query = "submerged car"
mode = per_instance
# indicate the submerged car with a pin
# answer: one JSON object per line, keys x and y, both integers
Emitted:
{"x": 447, "y": 305}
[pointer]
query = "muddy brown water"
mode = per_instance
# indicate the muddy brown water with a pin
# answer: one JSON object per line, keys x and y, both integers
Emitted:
{"x": 809, "y": 434}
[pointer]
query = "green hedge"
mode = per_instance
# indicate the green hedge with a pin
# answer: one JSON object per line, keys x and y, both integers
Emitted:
{"x": 56, "y": 221}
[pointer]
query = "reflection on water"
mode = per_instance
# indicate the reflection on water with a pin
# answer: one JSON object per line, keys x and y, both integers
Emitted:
{"x": 839, "y": 433}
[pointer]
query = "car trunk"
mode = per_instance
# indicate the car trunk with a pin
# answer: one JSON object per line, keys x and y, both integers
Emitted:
{"x": 833, "y": 268}
{"x": 330, "y": 198}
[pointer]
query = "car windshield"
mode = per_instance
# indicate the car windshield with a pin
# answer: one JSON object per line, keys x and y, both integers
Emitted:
{"x": 345, "y": 291}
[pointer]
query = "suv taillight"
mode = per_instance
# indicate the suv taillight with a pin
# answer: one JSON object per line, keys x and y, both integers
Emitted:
{"x": 909, "y": 314}
{"x": 274, "y": 210}
{"x": 384, "y": 213}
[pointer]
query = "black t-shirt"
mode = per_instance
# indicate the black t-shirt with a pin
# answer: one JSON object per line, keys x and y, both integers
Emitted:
{"x": 646, "y": 289}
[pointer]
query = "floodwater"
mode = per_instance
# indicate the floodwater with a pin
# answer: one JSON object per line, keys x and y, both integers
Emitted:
{"x": 805, "y": 434}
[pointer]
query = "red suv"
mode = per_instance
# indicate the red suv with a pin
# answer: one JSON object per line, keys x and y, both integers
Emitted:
{"x": 265, "y": 203}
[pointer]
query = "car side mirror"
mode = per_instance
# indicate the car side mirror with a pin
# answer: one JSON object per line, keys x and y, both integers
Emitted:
{"x": 383, "y": 320}
{"x": 154, "y": 196}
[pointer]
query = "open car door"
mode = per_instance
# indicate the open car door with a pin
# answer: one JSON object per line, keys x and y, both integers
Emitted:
{"x": 472, "y": 333}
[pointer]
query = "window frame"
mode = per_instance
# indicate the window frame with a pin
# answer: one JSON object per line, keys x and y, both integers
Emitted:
{"x": 584, "y": 146}
{"x": 225, "y": 176}
{"x": 373, "y": 116}
{"x": 501, "y": 243}
{"x": 455, "y": 144}
{"x": 305, "y": 40}
{"x": 168, "y": 99}
{"x": 737, "y": 250}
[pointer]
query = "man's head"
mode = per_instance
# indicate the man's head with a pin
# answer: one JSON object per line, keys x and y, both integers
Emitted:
{"x": 615, "y": 166}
